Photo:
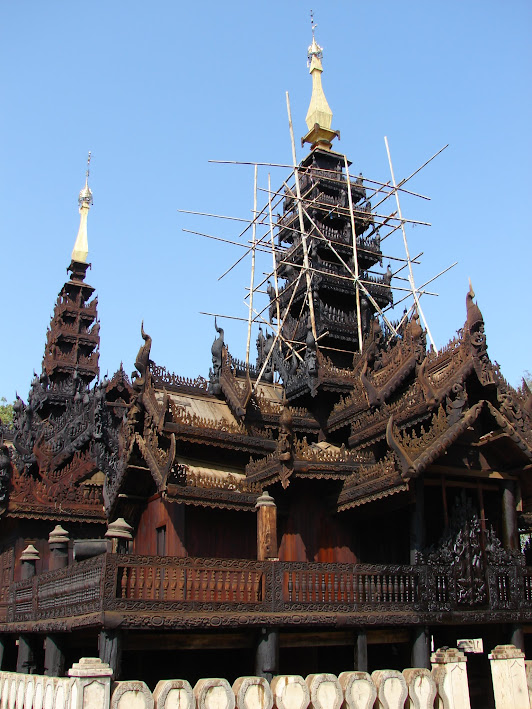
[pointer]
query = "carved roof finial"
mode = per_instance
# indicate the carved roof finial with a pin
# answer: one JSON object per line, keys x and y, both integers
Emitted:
{"x": 474, "y": 316}
{"x": 81, "y": 247}
{"x": 319, "y": 115}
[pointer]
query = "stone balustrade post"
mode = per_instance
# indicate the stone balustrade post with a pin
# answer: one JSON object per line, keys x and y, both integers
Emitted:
{"x": 252, "y": 693}
{"x": 359, "y": 691}
{"x": 421, "y": 688}
{"x": 131, "y": 693}
{"x": 449, "y": 671}
{"x": 391, "y": 689}
{"x": 290, "y": 692}
{"x": 508, "y": 674}
{"x": 214, "y": 693}
{"x": 325, "y": 691}
{"x": 528, "y": 672}
{"x": 172, "y": 693}
{"x": 90, "y": 680}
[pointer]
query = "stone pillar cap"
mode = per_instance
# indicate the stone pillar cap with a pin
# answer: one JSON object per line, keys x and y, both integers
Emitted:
{"x": 265, "y": 500}
{"x": 30, "y": 553}
{"x": 58, "y": 535}
{"x": 90, "y": 667}
{"x": 445, "y": 655}
{"x": 119, "y": 529}
{"x": 505, "y": 652}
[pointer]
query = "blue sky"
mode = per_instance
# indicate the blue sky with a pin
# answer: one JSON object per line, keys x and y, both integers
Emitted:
{"x": 156, "y": 90}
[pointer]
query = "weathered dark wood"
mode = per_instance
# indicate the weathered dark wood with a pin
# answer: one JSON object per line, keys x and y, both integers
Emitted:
{"x": 509, "y": 516}
{"x": 110, "y": 650}
{"x": 517, "y": 636}
{"x": 54, "y": 656}
{"x": 267, "y": 653}
{"x": 360, "y": 659}
{"x": 417, "y": 521}
{"x": 26, "y": 656}
{"x": 421, "y": 647}
{"x": 266, "y": 527}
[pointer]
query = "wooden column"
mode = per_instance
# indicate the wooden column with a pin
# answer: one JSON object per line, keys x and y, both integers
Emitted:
{"x": 54, "y": 656}
{"x": 517, "y": 637}
{"x": 120, "y": 534}
{"x": 266, "y": 527}
{"x": 110, "y": 644}
{"x": 58, "y": 543}
{"x": 26, "y": 642}
{"x": 421, "y": 647}
{"x": 361, "y": 651}
{"x": 417, "y": 520}
{"x": 509, "y": 515}
{"x": 267, "y": 653}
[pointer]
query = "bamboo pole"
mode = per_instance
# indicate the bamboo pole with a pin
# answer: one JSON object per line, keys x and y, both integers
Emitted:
{"x": 405, "y": 242}
{"x": 333, "y": 172}
{"x": 301, "y": 222}
{"x": 253, "y": 255}
{"x": 217, "y": 216}
{"x": 355, "y": 254}
{"x": 275, "y": 279}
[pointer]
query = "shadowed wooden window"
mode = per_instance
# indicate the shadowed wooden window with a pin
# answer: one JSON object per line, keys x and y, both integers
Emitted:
{"x": 161, "y": 540}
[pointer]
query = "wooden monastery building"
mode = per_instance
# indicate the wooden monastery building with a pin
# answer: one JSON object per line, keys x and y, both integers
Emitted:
{"x": 344, "y": 502}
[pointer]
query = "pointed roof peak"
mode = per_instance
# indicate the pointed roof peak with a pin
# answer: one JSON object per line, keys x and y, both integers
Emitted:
{"x": 319, "y": 115}
{"x": 81, "y": 246}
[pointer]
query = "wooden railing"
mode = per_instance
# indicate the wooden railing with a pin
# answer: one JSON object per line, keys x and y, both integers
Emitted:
{"x": 134, "y": 583}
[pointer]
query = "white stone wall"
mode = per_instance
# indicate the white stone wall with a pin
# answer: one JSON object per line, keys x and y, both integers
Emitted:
{"x": 89, "y": 686}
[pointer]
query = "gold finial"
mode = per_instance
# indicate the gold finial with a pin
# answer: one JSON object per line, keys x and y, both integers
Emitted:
{"x": 81, "y": 247}
{"x": 319, "y": 115}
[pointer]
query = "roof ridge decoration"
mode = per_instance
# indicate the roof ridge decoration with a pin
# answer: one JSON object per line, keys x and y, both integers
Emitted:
{"x": 81, "y": 245}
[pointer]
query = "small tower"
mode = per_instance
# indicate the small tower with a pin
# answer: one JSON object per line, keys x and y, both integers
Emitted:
{"x": 328, "y": 227}
{"x": 71, "y": 355}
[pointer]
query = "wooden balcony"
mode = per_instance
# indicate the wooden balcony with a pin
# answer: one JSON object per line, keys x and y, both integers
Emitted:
{"x": 174, "y": 592}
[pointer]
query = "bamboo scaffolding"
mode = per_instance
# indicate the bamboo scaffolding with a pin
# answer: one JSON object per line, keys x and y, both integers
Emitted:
{"x": 355, "y": 254}
{"x": 333, "y": 172}
{"x": 253, "y": 255}
{"x": 366, "y": 292}
{"x": 301, "y": 221}
{"x": 274, "y": 262}
{"x": 405, "y": 242}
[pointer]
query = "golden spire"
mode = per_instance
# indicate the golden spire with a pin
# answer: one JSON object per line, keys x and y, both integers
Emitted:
{"x": 319, "y": 115}
{"x": 81, "y": 247}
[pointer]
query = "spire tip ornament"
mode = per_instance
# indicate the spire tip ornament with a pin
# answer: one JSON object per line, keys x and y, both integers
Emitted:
{"x": 319, "y": 115}
{"x": 81, "y": 247}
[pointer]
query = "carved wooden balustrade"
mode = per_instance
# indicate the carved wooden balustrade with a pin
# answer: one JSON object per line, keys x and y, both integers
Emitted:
{"x": 185, "y": 590}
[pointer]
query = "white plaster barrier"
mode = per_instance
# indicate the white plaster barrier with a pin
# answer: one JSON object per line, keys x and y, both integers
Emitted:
{"x": 290, "y": 692}
{"x": 89, "y": 686}
{"x": 450, "y": 674}
{"x": 173, "y": 694}
{"x": 132, "y": 694}
{"x": 214, "y": 693}
{"x": 509, "y": 678}
{"x": 421, "y": 688}
{"x": 359, "y": 691}
{"x": 391, "y": 689}
{"x": 252, "y": 693}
